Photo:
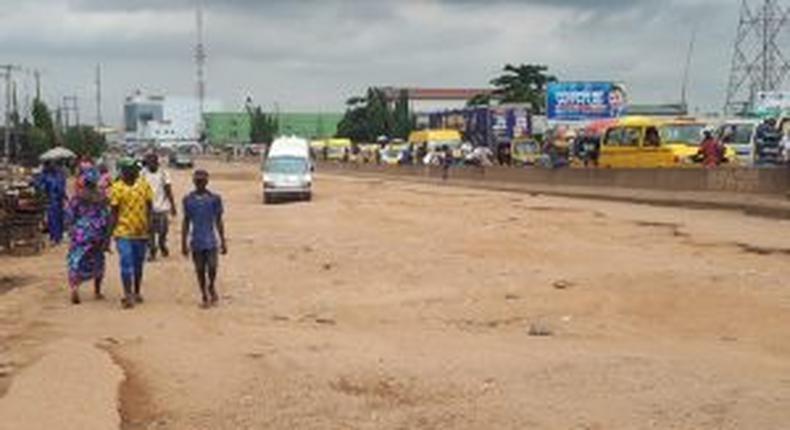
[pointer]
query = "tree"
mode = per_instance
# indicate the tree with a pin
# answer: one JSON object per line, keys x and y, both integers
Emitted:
{"x": 367, "y": 118}
{"x": 354, "y": 124}
{"x": 479, "y": 100}
{"x": 525, "y": 83}
{"x": 42, "y": 120}
{"x": 37, "y": 143}
{"x": 402, "y": 117}
{"x": 263, "y": 127}
{"x": 379, "y": 114}
{"x": 84, "y": 140}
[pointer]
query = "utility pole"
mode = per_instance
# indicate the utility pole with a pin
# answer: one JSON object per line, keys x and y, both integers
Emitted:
{"x": 7, "y": 73}
{"x": 99, "y": 119}
{"x": 200, "y": 65}
{"x": 37, "y": 75}
{"x": 760, "y": 61}
{"x": 687, "y": 70}
{"x": 70, "y": 104}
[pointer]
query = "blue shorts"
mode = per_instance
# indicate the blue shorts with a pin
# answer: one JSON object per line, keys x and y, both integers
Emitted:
{"x": 132, "y": 254}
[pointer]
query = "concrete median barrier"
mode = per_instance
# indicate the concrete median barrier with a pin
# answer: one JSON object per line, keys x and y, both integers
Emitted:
{"x": 734, "y": 180}
{"x": 757, "y": 191}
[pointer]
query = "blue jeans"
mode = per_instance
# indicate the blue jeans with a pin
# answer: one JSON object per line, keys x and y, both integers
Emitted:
{"x": 132, "y": 254}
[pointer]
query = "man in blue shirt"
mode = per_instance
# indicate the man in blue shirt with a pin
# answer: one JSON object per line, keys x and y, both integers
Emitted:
{"x": 202, "y": 223}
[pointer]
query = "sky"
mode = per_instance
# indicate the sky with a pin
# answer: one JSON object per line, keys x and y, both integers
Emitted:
{"x": 311, "y": 55}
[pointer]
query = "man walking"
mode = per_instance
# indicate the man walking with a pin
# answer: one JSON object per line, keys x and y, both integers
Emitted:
{"x": 131, "y": 200}
{"x": 163, "y": 206}
{"x": 203, "y": 222}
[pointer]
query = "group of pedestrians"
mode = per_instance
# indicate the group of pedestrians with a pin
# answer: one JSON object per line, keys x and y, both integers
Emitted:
{"x": 134, "y": 210}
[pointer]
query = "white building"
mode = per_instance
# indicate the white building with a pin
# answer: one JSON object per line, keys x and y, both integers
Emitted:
{"x": 164, "y": 121}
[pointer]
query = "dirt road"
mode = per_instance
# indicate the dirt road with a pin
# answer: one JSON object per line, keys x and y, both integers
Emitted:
{"x": 387, "y": 305}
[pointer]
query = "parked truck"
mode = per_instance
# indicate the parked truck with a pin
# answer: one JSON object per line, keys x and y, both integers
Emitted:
{"x": 494, "y": 127}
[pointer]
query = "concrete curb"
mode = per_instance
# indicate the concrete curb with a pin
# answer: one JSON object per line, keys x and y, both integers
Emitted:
{"x": 770, "y": 206}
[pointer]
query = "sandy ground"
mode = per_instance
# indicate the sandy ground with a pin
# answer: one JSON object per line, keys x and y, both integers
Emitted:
{"x": 390, "y": 305}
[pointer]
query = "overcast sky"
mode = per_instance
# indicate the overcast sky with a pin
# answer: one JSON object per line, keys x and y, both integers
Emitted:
{"x": 313, "y": 54}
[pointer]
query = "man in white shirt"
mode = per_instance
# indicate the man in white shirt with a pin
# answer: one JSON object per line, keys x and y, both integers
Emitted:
{"x": 163, "y": 205}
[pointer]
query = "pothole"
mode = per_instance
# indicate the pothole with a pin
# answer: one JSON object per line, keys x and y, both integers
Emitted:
{"x": 10, "y": 283}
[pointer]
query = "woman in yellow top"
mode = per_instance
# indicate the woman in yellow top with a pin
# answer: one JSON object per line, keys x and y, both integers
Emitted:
{"x": 131, "y": 200}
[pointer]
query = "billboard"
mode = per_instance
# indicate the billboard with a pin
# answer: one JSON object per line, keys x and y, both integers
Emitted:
{"x": 585, "y": 101}
{"x": 772, "y": 103}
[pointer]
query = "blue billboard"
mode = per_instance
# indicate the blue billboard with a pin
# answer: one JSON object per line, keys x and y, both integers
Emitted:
{"x": 584, "y": 101}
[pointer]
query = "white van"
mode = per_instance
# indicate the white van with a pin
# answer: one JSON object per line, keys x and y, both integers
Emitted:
{"x": 287, "y": 171}
{"x": 740, "y": 134}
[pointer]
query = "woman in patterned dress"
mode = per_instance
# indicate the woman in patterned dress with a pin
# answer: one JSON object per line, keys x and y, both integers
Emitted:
{"x": 89, "y": 215}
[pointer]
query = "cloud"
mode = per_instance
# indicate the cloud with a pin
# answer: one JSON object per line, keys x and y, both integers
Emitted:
{"x": 311, "y": 54}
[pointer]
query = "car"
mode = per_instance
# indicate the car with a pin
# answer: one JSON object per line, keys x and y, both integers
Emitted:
{"x": 287, "y": 172}
{"x": 740, "y": 135}
{"x": 181, "y": 158}
{"x": 644, "y": 142}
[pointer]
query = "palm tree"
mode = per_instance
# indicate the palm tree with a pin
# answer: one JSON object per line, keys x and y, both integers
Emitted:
{"x": 525, "y": 83}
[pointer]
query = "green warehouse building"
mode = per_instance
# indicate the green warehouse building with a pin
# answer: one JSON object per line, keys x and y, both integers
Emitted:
{"x": 233, "y": 128}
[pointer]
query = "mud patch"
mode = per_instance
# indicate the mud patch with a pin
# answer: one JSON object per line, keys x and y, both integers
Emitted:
{"x": 384, "y": 391}
{"x": 675, "y": 229}
{"x": 761, "y": 250}
{"x": 551, "y": 209}
{"x": 9, "y": 283}
{"x": 135, "y": 406}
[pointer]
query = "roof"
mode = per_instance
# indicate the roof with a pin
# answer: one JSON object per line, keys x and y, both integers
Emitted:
{"x": 288, "y": 146}
{"x": 434, "y": 135}
{"x": 637, "y": 121}
{"x": 417, "y": 93}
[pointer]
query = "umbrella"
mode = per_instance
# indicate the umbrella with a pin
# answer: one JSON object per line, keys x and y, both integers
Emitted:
{"x": 58, "y": 153}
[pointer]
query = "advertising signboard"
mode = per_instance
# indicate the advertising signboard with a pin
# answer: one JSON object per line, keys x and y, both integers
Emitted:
{"x": 585, "y": 101}
{"x": 772, "y": 103}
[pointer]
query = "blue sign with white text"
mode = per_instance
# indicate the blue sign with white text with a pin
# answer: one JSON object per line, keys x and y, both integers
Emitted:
{"x": 582, "y": 101}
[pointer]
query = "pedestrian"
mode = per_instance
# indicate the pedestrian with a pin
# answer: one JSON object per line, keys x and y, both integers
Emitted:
{"x": 786, "y": 147}
{"x": 164, "y": 206}
{"x": 768, "y": 143}
{"x": 83, "y": 164}
{"x": 52, "y": 183}
{"x": 131, "y": 200}
{"x": 105, "y": 179}
{"x": 89, "y": 218}
{"x": 711, "y": 150}
{"x": 447, "y": 161}
{"x": 201, "y": 226}
{"x": 422, "y": 152}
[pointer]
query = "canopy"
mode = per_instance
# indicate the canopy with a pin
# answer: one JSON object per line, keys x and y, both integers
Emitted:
{"x": 57, "y": 153}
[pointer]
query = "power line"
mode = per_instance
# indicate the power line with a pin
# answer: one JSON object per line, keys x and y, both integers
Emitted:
{"x": 759, "y": 62}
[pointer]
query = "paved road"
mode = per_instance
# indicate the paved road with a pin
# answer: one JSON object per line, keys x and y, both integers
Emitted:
{"x": 400, "y": 305}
